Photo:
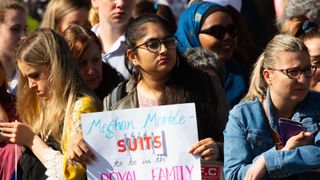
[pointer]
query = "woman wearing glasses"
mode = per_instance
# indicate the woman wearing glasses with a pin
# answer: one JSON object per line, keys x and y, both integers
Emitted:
{"x": 208, "y": 25}
{"x": 279, "y": 89}
{"x": 311, "y": 38}
{"x": 159, "y": 76}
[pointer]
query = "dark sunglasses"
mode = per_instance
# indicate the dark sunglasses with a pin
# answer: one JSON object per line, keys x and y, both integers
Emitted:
{"x": 219, "y": 31}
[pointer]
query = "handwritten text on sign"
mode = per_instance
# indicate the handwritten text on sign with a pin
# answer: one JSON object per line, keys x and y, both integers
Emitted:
{"x": 144, "y": 143}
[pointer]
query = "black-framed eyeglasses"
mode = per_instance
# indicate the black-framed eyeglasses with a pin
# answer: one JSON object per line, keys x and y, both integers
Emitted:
{"x": 295, "y": 73}
{"x": 219, "y": 31}
{"x": 154, "y": 45}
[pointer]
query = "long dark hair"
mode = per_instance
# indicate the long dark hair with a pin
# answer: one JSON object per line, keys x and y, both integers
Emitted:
{"x": 185, "y": 84}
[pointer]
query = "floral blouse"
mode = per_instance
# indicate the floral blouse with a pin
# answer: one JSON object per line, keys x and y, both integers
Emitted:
{"x": 56, "y": 163}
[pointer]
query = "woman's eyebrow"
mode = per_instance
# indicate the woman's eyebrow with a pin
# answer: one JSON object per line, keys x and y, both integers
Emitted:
{"x": 153, "y": 38}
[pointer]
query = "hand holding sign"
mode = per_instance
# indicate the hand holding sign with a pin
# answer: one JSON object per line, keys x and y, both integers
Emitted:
{"x": 206, "y": 148}
{"x": 79, "y": 150}
{"x": 144, "y": 143}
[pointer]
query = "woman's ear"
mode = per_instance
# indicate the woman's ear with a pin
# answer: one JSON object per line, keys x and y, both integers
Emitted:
{"x": 266, "y": 76}
{"x": 132, "y": 56}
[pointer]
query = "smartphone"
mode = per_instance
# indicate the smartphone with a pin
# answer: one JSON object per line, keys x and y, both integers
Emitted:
{"x": 289, "y": 128}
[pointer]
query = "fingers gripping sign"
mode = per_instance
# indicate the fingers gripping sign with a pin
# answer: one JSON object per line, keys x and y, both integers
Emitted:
{"x": 206, "y": 148}
{"x": 79, "y": 150}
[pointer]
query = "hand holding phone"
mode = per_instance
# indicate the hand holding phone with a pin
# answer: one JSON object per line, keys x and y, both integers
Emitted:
{"x": 302, "y": 139}
{"x": 289, "y": 128}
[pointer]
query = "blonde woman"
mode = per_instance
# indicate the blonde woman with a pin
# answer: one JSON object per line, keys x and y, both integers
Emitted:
{"x": 51, "y": 96}
{"x": 61, "y": 13}
{"x": 279, "y": 89}
{"x": 114, "y": 17}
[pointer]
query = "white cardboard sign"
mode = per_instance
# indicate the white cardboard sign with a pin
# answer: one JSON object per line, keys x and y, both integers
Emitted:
{"x": 143, "y": 143}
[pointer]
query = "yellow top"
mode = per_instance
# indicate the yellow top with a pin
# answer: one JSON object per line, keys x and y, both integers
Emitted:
{"x": 82, "y": 105}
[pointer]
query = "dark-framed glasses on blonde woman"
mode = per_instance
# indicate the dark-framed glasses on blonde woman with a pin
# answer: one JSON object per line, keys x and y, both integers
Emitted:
{"x": 295, "y": 73}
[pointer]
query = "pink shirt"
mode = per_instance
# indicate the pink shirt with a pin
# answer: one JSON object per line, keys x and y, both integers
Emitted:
{"x": 8, "y": 159}
{"x": 145, "y": 101}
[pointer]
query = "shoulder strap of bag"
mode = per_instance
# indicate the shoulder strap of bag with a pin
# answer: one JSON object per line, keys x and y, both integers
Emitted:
{"x": 117, "y": 93}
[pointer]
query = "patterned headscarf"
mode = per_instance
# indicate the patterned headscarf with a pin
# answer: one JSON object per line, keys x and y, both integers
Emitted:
{"x": 190, "y": 23}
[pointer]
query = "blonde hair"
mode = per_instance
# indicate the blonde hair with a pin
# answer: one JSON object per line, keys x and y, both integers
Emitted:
{"x": 93, "y": 16}
{"x": 51, "y": 116}
{"x": 280, "y": 43}
{"x": 291, "y": 26}
{"x": 57, "y": 9}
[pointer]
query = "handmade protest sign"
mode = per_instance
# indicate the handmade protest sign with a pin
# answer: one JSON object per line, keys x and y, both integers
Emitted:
{"x": 143, "y": 143}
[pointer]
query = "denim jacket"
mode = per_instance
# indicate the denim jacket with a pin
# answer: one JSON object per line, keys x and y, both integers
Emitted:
{"x": 247, "y": 135}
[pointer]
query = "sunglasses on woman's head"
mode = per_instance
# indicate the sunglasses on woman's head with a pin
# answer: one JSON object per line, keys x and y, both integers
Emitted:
{"x": 219, "y": 31}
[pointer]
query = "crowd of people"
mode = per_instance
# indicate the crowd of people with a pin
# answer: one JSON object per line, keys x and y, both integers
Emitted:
{"x": 103, "y": 55}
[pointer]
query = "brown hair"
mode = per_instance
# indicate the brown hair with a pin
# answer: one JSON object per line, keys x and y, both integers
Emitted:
{"x": 8, "y": 4}
{"x": 291, "y": 26}
{"x": 310, "y": 35}
{"x": 78, "y": 39}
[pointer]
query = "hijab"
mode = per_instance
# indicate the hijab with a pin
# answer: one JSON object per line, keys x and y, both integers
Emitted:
{"x": 190, "y": 23}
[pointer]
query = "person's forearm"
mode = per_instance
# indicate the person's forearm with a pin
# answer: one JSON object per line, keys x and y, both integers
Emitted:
{"x": 281, "y": 163}
{"x": 39, "y": 148}
{"x": 51, "y": 159}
